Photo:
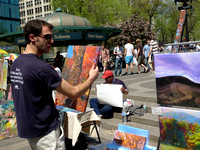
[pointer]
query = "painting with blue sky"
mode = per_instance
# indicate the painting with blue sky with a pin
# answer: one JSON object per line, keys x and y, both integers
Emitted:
{"x": 76, "y": 69}
{"x": 178, "y": 79}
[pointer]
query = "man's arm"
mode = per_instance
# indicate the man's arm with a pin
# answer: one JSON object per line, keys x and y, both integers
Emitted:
{"x": 108, "y": 55}
{"x": 125, "y": 52}
{"x": 133, "y": 51}
{"x": 76, "y": 91}
{"x": 114, "y": 52}
{"x": 143, "y": 51}
{"x": 150, "y": 52}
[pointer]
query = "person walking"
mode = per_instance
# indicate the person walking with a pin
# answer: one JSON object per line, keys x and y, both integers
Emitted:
{"x": 128, "y": 54}
{"x": 32, "y": 82}
{"x": 140, "y": 55}
{"x": 118, "y": 52}
{"x": 104, "y": 57}
{"x": 146, "y": 50}
{"x": 154, "y": 50}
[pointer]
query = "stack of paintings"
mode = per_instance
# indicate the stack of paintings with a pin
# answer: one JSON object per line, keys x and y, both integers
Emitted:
{"x": 178, "y": 84}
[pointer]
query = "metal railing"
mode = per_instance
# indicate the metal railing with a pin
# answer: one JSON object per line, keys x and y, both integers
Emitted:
{"x": 186, "y": 49}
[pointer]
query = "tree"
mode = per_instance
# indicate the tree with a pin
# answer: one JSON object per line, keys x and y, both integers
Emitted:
{"x": 166, "y": 23}
{"x": 98, "y": 12}
{"x": 132, "y": 29}
{"x": 148, "y": 8}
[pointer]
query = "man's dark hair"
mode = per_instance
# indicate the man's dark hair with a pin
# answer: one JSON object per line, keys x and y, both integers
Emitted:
{"x": 35, "y": 27}
{"x": 120, "y": 43}
{"x": 128, "y": 40}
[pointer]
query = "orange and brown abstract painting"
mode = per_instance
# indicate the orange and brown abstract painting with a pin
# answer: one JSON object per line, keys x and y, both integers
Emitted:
{"x": 76, "y": 69}
{"x": 129, "y": 140}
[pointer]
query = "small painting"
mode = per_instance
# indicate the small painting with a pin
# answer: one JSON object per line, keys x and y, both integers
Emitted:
{"x": 179, "y": 129}
{"x": 76, "y": 69}
{"x": 128, "y": 140}
{"x": 178, "y": 79}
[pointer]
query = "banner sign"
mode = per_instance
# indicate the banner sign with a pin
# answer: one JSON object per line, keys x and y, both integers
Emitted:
{"x": 67, "y": 36}
{"x": 20, "y": 41}
{"x": 56, "y": 37}
{"x": 180, "y": 27}
{"x": 95, "y": 36}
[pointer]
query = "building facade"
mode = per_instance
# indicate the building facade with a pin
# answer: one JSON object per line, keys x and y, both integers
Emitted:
{"x": 34, "y": 9}
{"x": 9, "y": 16}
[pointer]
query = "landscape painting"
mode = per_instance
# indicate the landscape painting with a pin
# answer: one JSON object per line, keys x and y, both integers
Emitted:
{"x": 179, "y": 129}
{"x": 178, "y": 79}
{"x": 76, "y": 69}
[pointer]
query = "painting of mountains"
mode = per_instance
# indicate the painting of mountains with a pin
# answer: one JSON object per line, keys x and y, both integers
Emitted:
{"x": 179, "y": 129}
{"x": 178, "y": 79}
{"x": 76, "y": 69}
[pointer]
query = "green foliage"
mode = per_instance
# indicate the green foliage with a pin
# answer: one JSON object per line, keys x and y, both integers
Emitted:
{"x": 162, "y": 16}
{"x": 98, "y": 12}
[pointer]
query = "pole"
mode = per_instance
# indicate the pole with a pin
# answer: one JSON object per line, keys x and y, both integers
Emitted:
{"x": 186, "y": 27}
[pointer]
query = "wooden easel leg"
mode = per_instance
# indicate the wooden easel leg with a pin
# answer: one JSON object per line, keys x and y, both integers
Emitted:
{"x": 97, "y": 131}
{"x": 158, "y": 146}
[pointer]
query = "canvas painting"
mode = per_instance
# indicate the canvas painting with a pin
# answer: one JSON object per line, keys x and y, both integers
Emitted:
{"x": 128, "y": 140}
{"x": 76, "y": 69}
{"x": 3, "y": 75}
{"x": 8, "y": 125}
{"x": 179, "y": 129}
{"x": 178, "y": 79}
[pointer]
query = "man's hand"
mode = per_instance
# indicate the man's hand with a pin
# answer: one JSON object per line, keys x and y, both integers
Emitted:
{"x": 94, "y": 73}
{"x": 124, "y": 91}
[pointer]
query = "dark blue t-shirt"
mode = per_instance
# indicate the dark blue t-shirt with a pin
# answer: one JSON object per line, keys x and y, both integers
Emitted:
{"x": 32, "y": 83}
{"x": 117, "y": 81}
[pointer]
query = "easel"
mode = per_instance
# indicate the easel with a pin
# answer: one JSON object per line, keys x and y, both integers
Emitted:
{"x": 82, "y": 120}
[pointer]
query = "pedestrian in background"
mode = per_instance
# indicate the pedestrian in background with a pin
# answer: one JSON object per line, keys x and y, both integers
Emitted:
{"x": 104, "y": 57}
{"x": 32, "y": 82}
{"x": 154, "y": 50}
{"x": 140, "y": 56}
{"x": 54, "y": 65}
{"x": 59, "y": 60}
{"x": 8, "y": 72}
{"x": 118, "y": 52}
{"x": 128, "y": 54}
{"x": 146, "y": 50}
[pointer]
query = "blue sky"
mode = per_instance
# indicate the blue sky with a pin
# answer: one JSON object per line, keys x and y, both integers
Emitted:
{"x": 70, "y": 52}
{"x": 178, "y": 64}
